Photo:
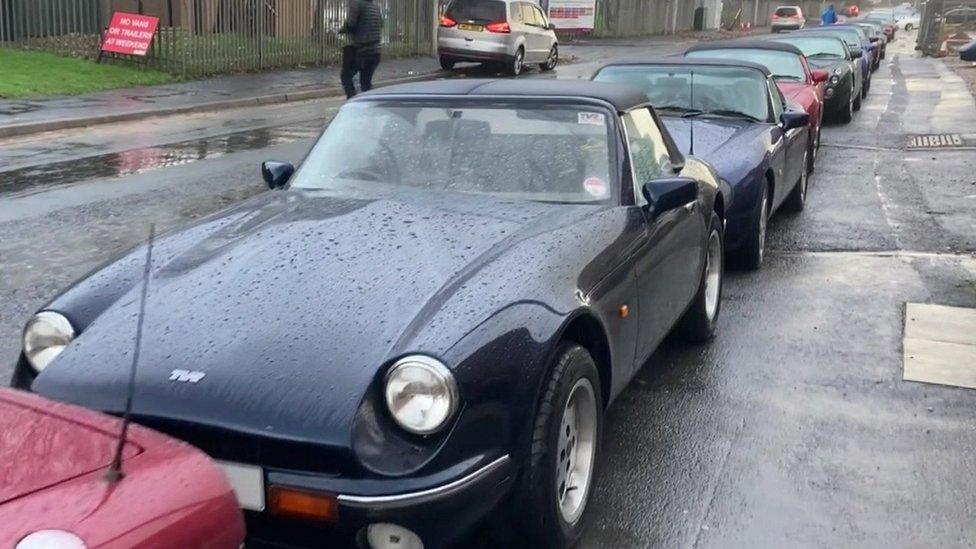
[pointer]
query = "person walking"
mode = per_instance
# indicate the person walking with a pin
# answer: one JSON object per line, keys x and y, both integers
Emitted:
{"x": 364, "y": 25}
{"x": 829, "y": 16}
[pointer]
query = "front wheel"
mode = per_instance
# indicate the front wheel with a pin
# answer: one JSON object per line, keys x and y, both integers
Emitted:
{"x": 552, "y": 60}
{"x": 515, "y": 65}
{"x": 857, "y": 101}
{"x": 798, "y": 197}
{"x": 446, "y": 63}
{"x": 557, "y": 478}
{"x": 750, "y": 256}
{"x": 698, "y": 323}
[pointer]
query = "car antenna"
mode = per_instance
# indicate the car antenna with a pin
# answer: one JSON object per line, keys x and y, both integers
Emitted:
{"x": 114, "y": 472}
{"x": 691, "y": 125}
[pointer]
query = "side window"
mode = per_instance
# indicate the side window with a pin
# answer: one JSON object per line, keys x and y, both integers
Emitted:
{"x": 515, "y": 15}
{"x": 527, "y": 17}
{"x": 776, "y": 98}
{"x": 540, "y": 18}
{"x": 648, "y": 154}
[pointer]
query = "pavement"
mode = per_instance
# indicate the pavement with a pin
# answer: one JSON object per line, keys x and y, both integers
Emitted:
{"x": 27, "y": 116}
{"x": 794, "y": 427}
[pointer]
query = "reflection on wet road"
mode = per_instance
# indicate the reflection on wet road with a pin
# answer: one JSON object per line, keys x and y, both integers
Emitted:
{"x": 33, "y": 179}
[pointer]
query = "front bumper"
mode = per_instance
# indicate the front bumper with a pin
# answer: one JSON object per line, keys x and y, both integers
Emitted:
{"x": 440, "y": 515}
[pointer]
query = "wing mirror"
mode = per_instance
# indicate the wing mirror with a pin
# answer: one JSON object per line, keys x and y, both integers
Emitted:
{"x": 276, "y": 174}
{"x": 820, "y": 75}
{"x": 668, "y": 193}
{"x": 790, "y": 120}
{"x": 875, "y": 39}
{"x": 552, "y": 27}
{"x": 857, "y": 53}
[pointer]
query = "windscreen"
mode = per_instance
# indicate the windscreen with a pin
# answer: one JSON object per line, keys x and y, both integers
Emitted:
{"x": 782, "y": 64}
{"x": 786, "y": 12}
{"x": 483, "y": 11}
{"x": 726, "y": 90}
{"x": 850, "y": 36}
{"x": 817, "y": 47}
{"x": 541, "y": 153}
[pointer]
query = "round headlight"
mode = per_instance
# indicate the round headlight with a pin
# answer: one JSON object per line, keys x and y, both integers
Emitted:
{"x": 45, "y": 336}
{"x": 421, "y": 394}
{"x": 834, "y": 79}
{"x": 51, "y": 539}
{"x": 838, "y": 71}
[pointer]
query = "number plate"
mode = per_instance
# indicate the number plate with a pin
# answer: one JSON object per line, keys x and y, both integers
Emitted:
{"x": 247, "y": 482}
{"x": 468, "y": 27}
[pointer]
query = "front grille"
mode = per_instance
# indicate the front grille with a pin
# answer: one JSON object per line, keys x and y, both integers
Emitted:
{"x": 227, "y": 445}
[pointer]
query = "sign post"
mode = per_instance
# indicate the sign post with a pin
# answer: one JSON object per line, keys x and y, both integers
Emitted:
{"x": 129, "y": 34}
{"x": 572, "y": 15}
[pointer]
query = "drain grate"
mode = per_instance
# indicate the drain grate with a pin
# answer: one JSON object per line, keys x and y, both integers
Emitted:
{"x": 935, "y": 141}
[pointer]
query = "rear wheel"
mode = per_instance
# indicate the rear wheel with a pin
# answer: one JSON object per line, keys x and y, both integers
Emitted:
{"x": 446, "y": 63}
{"x": 552, "y": 60}
{"x": 798, "y": 196}
{"x": 698, "y": 323}
{"x": 750, "y": 256}
{"x": 517, "y": 62}
{"x": 557, "y": 478}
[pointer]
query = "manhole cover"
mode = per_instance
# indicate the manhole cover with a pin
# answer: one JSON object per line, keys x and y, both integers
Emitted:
{"x": 935, "y": 141}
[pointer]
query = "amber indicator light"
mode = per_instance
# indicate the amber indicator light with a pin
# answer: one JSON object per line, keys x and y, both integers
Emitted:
{"x": 288, "y": 502}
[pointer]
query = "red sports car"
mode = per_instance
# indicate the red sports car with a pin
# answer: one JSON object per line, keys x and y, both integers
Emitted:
{"x": 789, "y": 68}
{"x": 55, "y": 491}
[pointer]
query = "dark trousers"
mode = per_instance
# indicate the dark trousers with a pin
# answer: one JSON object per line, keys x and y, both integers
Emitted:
{"x": 353, "y": 62}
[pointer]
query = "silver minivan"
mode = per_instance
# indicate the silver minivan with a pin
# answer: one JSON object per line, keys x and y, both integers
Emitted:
{"x": 508, "y": 33}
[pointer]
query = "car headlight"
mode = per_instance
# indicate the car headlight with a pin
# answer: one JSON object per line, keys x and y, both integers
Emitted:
{"x": 421, "y": 394}
{"x": 50, "y": 539}
{"x": 834, "y": 79}
{"x": 838, "y": 71}
{"x": 45, "y": 336}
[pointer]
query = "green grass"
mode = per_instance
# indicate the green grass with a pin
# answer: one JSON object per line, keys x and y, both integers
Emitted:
{"x": 37, "y": 74}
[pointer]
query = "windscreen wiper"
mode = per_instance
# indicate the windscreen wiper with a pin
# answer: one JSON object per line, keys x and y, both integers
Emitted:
{"x": 787, "y": 76}
{"x": 825, "y": 54}
{"x": 721, "y": 112}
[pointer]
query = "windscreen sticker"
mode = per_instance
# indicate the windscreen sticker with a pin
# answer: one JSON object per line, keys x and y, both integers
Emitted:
{"x": 596, "y": 187}
{"x": 592, "y": 118}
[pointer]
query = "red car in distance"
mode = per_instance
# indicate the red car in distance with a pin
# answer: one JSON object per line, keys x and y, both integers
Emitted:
{"x": 54, "y": 491}
{"x": 793, "y": 76}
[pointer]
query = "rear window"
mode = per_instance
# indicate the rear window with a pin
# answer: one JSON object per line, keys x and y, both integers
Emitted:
{"x": 482, "y": 11}
{"x": 786, "y": 12}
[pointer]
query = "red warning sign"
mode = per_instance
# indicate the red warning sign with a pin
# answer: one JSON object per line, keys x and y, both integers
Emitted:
{"x": 130, "y": 33}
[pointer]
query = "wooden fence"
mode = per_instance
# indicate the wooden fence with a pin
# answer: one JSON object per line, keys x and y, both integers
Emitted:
{"x": 198, "y": 37}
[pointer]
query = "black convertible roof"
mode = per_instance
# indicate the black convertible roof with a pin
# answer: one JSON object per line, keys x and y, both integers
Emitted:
{"x": 621, "y": 97}
{"x": 689, "y": 62}
{"x": 745, "y": 45}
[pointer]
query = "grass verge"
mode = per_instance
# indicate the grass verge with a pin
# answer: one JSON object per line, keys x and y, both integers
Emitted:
{"x": 37, "y": 74}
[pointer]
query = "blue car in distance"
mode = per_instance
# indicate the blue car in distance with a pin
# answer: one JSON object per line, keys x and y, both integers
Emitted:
{"x": 731, "y": 114}
{"x": 857, "y": 41}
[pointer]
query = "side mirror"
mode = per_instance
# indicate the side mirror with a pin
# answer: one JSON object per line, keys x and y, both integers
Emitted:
{"x": 792, "y": 119}
{"x": 875, "y": 39}
{"x": 552, "y": 27}
{"x": 857, "y": 54}
{"x": 667, "y": 193}
{"x": 820, "y": 75}
{"x": 276, "y": 174}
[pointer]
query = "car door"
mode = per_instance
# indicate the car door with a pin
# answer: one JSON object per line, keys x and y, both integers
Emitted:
{"x": 779, "y": 161}
{"x": 536, "y": 34}
{"x": 670, "y": 259}
{"x": 519, "y": 20}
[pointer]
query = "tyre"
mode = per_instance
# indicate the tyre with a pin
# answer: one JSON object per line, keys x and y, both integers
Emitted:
{"x": 515, "y": 65}
{"x": 864, "y": 91}
{"x": 750, "y": 256}
{"x": 848, "y": 114}
{"x": 446, "y": 63}
{"x": 557, "y": 479}
{"x": 909, "y": 26}
{"x": 857, "y": 102}
{"x": 798, "y": 196}
{"x": 812, "y": 151}
{"x": 552, "y": 60}
{"x": 698, "y": 323}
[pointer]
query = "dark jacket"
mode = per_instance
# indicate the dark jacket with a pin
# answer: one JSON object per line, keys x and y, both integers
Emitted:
{"x": 364, "y": 23}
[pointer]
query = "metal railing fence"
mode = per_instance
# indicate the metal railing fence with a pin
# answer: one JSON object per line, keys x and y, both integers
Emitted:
{"x": 198, "y": 37}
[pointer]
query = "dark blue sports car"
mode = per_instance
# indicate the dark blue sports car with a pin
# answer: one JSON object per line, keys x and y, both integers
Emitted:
{"x": 732, "y": 114}
{"x": 426, "y": 320}
{"x": 860, "y": 47}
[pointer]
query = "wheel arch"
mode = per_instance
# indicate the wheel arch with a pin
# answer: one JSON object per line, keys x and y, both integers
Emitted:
{"x": 586, "y": 331}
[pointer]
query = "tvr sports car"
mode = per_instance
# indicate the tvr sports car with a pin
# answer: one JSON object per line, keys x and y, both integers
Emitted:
{"x": 419, "y": 323}
{"x": 789, "y": 69}
{"x": 861, "y": 48}
{"x": 731, "y": 114}
{"x": 842, "y": 95}
{"x": 57, "y": 490}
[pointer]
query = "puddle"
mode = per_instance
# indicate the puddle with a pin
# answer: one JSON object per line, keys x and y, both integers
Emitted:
{"x": 34, "y": 179}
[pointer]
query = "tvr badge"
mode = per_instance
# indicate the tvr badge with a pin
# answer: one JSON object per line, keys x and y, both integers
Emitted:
{"x": 186, "y": 376}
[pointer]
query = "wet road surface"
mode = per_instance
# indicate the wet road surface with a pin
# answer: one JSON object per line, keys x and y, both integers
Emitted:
{"x": 792, "y": 428}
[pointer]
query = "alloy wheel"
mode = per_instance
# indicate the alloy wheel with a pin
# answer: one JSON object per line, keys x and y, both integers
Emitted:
{"x": 763, "y": 217}
{"x": 803, "y": 181}
{"x": 517, "y": 63}
{"x": 713, "y": 274}
{"x": 577, "y": 451}
{"x": 553, "y": 58}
